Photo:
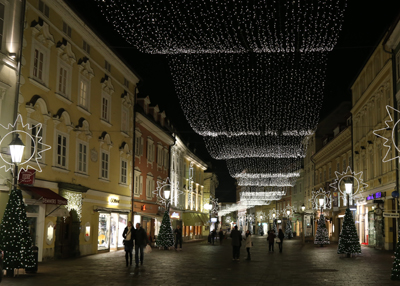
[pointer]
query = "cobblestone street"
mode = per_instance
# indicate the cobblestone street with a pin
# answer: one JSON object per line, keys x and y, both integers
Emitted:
{"x": 202, "y": 264}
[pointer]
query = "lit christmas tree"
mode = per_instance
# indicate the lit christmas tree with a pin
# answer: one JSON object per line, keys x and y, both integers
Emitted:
{"x": 322, "y": 236}
{"x": 396, "y": 264}
{"x": 15, "y": 239}
{"x": 260, "y": 230}
{"x": 288, "y": 230}
{"x": 165, "y": 237}
{"x": 275, "y": 227}
{"x": 348, "y": 238}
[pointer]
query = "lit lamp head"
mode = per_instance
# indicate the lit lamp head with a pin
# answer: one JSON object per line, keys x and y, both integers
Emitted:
{"x": 208, "y": 206}
{"x": 16, "y": 149}
{"x": 303, "y": 207}
{"x": 349, "y": 187}
{"x": 260, "y": 217}
{"x": 288, "y": 212}
{"x": 321, "y": 202}
{"x": 273, "y": 215}
{"x": 167, "y": 192}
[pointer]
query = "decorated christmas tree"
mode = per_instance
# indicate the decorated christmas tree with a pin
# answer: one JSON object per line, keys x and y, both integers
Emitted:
{"x": 15, "y": 239}
{"x": 348, "y": 238}
{"x": 260, "y": 230}
{"x": 322, "y": 236}
{"x": 396, "y": 264}
{"x": 288, "y": 230}
{"x": 274, "y": 228}
{"x": 165, "y": 236}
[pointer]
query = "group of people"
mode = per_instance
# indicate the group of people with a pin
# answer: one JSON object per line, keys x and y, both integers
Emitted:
{"x": 213, "y": 235}
{"x": 134, "y": 237}
{"x": 272, "y": 238}
{"x": 237, "y": 239}
{"x": 237, "y": 242}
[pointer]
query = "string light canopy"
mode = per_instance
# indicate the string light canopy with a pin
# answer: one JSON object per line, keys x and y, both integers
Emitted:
{"x": 268, "y": 146}
{"x": 229, "y": 26}
{"x": 267, "y": 182}
{"x": 282, "y": 92}
{"x": 264, "y": 168}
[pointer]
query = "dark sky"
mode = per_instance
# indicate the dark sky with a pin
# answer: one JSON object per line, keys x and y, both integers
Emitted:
{"x": 364, "y": 25}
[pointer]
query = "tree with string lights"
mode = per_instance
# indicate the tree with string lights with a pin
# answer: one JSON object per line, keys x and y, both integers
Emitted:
{"x": 348, "y": 238}
{"x": 288, "y": 230}
{"x": 165, "y": 237}
{"x": 322, "y": 236}
{"x": 15, "y": 238}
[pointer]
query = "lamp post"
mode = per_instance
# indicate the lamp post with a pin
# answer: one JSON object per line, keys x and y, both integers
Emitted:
{"x": 303, "y": 208}
{"x": 167, "y": 194}
{"x": 16, "y": 150}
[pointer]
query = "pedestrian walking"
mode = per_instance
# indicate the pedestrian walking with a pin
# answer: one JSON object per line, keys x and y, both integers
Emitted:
{"x": 249, "y": 244}
{"x": 141, "y": 240}
{"x": 128, "y": 236}
{"x": 178, "y": 237}
{"x": 213, "y": 235}
{"x": 271, "y": 240}
{"x": 281, "y": 236}
{"x": 221, "y": 236}
{"x": 236, "y": 243}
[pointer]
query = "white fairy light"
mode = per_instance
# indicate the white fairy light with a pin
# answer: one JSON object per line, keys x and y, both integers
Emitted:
{"x": 204, "y": 26}
{"x": 267, "y": 182}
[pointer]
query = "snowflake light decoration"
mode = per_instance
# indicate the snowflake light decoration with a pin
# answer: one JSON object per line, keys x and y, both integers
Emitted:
{"x": 261, "y": 215}
{"x": 32, "y": 135}
{"x": 250, "y": 218}
{"x": 228, "y": 219}
{"x": 358, "y": 183}
{"x": 390, "y": 140}
{"x": 321, "y": 194}
{"x": 288, "y": 208}
{"x": 161, "y": 187}
{"x": 272, "y": 212}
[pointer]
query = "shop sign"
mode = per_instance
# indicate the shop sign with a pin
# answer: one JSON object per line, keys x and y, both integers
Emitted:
{"x": 377, "y": 195}
{"x": 113, "y": 200}
{"x": 213, "y": 219}
{"x": 27, "y": 177}
{"x": 175, "y": 215}
{"x": 279, "y": 221}
{"x": 392, "y": 215}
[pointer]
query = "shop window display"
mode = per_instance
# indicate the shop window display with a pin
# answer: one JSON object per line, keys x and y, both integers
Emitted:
{"x": 104, "y": 231}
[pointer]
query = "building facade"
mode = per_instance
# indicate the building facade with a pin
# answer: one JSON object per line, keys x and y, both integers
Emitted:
{"x": 82, "y": 95}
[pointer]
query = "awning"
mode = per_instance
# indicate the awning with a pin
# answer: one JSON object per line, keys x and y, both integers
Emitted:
{"x": 72, "y": 187}
{"x": 56, "y": 211}
{"x": 188, "y": 219}
{"x": 110, "y": 210}
{"x": 47, "y": 196}
{"x": 204, "y": 218}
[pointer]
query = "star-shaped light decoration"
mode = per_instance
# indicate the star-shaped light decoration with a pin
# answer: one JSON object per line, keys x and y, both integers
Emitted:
{"x": 33, "y": 161}
{"x": 321, "y": 194}
{"x": 389, "y": 137}
{"x": 161, "y": 187}
{"x": 358, "y": 183}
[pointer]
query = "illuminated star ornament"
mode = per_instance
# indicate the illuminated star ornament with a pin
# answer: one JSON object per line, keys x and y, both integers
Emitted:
{"x": 356, "y": 179}
{"x": 323, "y": 195}
{"x": 160, "y": 191}
{"x": 29, "y": 133}
{"x": 388, "y": 134}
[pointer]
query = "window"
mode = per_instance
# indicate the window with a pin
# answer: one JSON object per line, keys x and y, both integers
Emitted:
{"x": 61, "y": 156}
{"x": 83, "y": 100}
{"x": 2, "y": 8}
{"x": 126, "y": 82}
{"x": 86, "y": 47}
{"x": 330, "y": 172}
{"x": 337, "y": 167}
{"x": 138, "y": 145}
{"x": 344, "y": 165}
{"x": 67, "y": 29}
{"x": 36, "y": 146}
{"x": 62, "y": 80}
{"x": 159, "y": 155}
{"x": 105, "y": 107}
{"x": 150, "y": 150}
{"x": 398, "y": 65}
{"x": 371, "y": 165}
{"x": 38, "y": 64}
{"x": 105, "y": 160}
{"x": 166, "y": 158}
{"x": 350, "y": 162}
{"x": 44, "y": 8}
{"x": 124, "y": 171}
{"x": 82, "y": 158}
{"x": 149, "y": 187}
{"x": 125, "y": 120}
{"x": 107, "y": 66}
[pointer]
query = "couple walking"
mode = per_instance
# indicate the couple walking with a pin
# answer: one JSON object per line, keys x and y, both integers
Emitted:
{"x": 237, "y": 243}
{"x": 138, "y": 235}
{"x": 271, "y": 239}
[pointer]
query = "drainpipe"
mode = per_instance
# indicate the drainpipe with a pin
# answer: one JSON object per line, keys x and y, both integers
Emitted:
{"x": 134, "y": 151}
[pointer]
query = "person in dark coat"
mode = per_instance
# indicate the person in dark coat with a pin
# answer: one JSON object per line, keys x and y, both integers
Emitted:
{"x": 221, "y": 235}
{"x": 178, "y": 237}
{"x": 236, "y": 243}
{"x": 281, "y": 236}
{"x": 128, "y": 235}
{"x": 271, "y": 238}
{"x": 141, "y": 240}
{"x": 213, "y": 235}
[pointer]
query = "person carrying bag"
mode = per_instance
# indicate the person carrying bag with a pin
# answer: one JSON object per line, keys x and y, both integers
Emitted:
{"x": 128, "y": 235}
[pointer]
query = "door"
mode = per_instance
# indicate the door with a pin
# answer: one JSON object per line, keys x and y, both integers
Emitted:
{"x": 114, "y": 231}
{"x": 371, "y": 228}
{"x": 65, "y": 236}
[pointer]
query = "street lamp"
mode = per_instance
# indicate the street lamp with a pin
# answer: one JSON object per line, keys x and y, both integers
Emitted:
{"x": 167, "y": 194}
{"x": 288, "y": 213}
{"x": 16, "y": 150}
{"x": 303, "y": 208}
{"x": 349, "y": 189}
{"x": 321, "y": 204}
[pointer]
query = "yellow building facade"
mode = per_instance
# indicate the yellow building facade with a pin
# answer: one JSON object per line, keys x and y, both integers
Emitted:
{"x": 82, "y": 94}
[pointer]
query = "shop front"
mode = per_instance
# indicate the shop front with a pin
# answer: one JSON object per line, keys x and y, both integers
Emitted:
{"x": 192, "y": 224}
{"x": 111, "y": 227}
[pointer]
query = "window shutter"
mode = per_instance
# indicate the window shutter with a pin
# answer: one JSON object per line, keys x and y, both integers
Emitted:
{"x": 141, "y": 146}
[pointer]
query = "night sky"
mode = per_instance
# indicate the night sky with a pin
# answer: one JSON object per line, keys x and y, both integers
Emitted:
{"x": 364, "y": 26}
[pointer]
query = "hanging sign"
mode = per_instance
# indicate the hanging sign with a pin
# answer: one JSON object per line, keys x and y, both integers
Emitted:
{"x": 392, "y": 215}
{"x": 27, "y": 177}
